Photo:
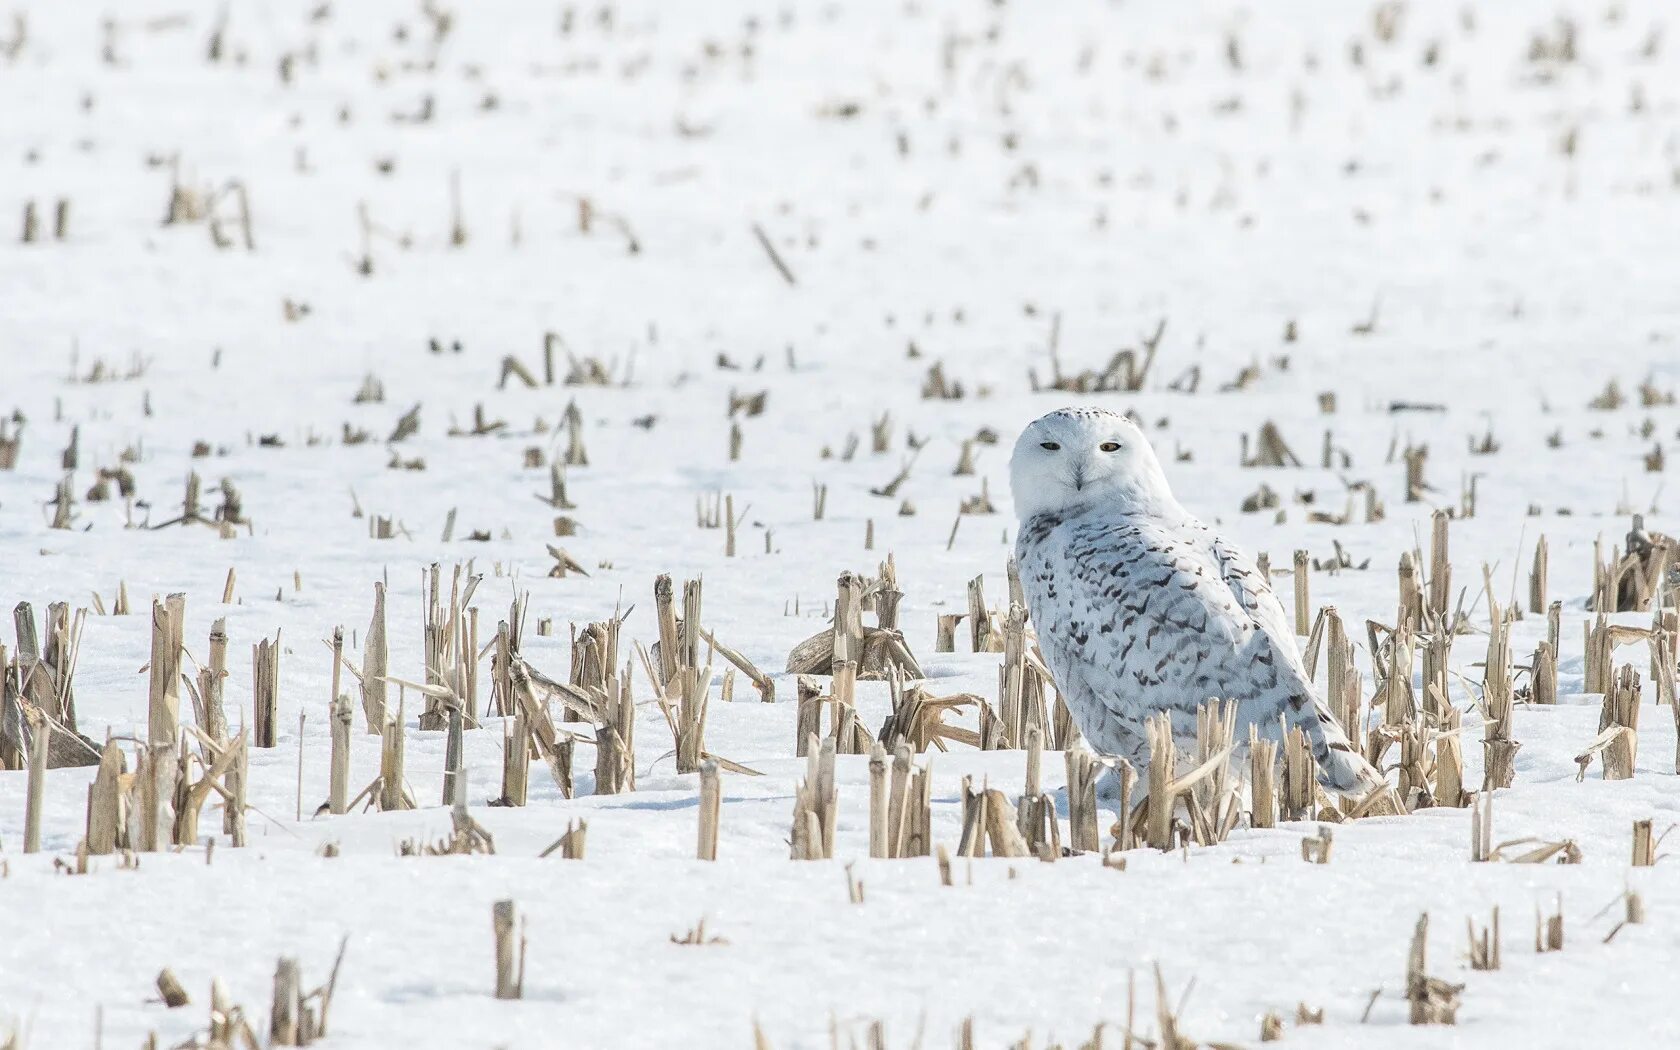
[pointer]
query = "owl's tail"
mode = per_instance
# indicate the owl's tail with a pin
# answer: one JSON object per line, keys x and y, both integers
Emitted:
{"x": 1341, "y": 768}
{"x": 1345, "y": 771}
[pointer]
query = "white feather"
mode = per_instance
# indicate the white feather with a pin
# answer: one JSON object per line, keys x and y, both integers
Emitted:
{"x": 1141, "y": 608}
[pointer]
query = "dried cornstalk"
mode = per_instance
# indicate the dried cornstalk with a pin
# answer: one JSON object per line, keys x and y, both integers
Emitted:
{"x": 711, "y": 809}
{"x": 1629, "y": 582}
{"x": 212, "y": 682}
{"x": 450, "y": 650}
{"x": 393, "y": 794}
{"x": 815, "y": 807}
{"x": 919, "y": 717}
{"x": 687, "y": 716}
{"x": 1663, "y": 668}
{"x": 44, "y": 678}
{"x": 983, "y": 637}
{"x": 502, "y": 700}
{"x": 152, "y": 821}
{"x": 105, "y": 821}
{"x": 510, "y": 950}
{"x": 1548, "y": 929}
{"x": 1440, "y": 567}
{"x": 10, "y": 440}
{"x": 761, "y": 681}
{"x": 1416, "y": 768}
{"x": 1303, "y": 605}
{"x": 1484, "y": 947}
{"x": 516, "y": 759}
{"x": 265, "y": 691}
{"x": 1021, "y": 690}
{"x": 1063, "y": 732}
{"x": 1598, "y": 647}
{"x": 163, "y": 722}
{"x": 1433, "y": 1001}
{"x": 1035, "y": 763}
{"x": 850, "y": 737}
{"x": 615, "y": 738}
{"x": 1082, "y": 773}
{"x": 1262, "y": 792}
{"x": 1543, "y": 673}
{"x": 1315, "y": 848}
{"x": 1399, "y": 705}
{"x": 40, "y": 738}
{"x": 1449, "y": 763}
{"x": 1498, "y": 747}
{"x": 233, "y": 803}
{"x": 594, "y": 657}
{"x": 880, "y": 651}
{"x": 909, "y": 811}
{"x": 1437, "y": 652}
{"x": 555, "y": 750}
{"x": 1213, "y": 803}
{"x": 190, "y": 794}
{"x": 808, "y": 714}
{"x": 1410, "y": 616}
{"x": 848, "y": 619}
{"x": 1344, "y": 702}
{"x": 974, "y": 803}
{"x": 1002, "y": 834}
{"x": 170, "y": 990}
{"x": 576, "y": 454}
{"x": 1299, "y": 783}
{"x": 1035, "y": 819}
{"x": 376, "y": 665}
{"x": 1644, "y": 844}
{"x": 1481, "y": 827}
{"x": 1621, "y": 708}
{"x": 570, "y": 845}
{"x": 681, "y": 687}
{"x": 879, "y": 802}
{"x": 1537, "y": 583}
{"x": 945, "y": 636}
{"x": 1163, "y": 757}
{"x": 343, "y": 717}
{"x": 285, "y": 1022}
{"x": 1124, "y": 828}
{"x": 886, "y": 595}
{"x": 1270, "y": 450}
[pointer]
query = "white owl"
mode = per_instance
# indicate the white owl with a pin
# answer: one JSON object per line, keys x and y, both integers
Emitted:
{"x": 1141, "y": 608}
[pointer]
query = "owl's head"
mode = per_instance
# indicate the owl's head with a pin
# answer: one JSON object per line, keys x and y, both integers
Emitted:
{"x": 1085, "y": 457}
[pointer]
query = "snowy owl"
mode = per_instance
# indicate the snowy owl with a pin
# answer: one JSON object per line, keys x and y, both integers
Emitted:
{"x": 1141, "y": 608}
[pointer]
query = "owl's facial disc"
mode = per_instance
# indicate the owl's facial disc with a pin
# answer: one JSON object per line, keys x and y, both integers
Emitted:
{"x": 1076, "y": 453}
{"x": 1077, "y": 456}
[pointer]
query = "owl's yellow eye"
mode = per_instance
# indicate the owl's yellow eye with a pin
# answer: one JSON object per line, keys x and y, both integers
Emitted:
{"x": 1110, "y": 446}
{"x": 1049, "y": 446}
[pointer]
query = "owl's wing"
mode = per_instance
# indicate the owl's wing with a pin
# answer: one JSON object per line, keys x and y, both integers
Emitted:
{"x": 1133, "y": 621}
{"x": 1339, "y": 759}
{"x": 1138, "y": 617}
{"x": 1254, "y": 595}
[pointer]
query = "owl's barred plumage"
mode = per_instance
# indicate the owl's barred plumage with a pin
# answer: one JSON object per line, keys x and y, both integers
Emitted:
{"x": 1141, "y": 608}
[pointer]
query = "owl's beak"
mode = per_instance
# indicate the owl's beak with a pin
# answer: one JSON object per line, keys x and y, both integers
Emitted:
{"x": 1078, "y": 478}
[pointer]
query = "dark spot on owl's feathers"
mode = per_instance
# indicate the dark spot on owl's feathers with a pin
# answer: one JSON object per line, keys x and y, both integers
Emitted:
{"x": 1040, "y": 527}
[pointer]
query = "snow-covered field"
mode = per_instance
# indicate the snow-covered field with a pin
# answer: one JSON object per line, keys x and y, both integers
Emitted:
{"x": 1471, "y": 207}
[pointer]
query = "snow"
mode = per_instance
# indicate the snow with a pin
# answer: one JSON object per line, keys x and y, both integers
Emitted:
{"x": 1001, "y": 164}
